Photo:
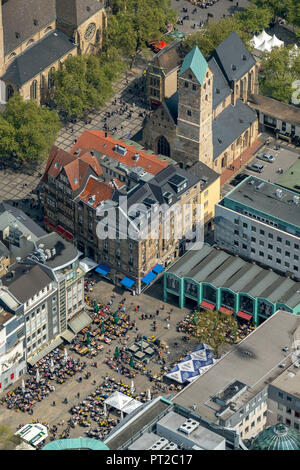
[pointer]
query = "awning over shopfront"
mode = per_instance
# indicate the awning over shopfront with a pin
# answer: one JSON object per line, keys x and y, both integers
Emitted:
{"x": 244, "y": 315}
{"x": 207, "y": 305}
{"x": 79, "y": 322}
{"x": 158, "y": 269}
{"x": 37, "y": 357}
{"x": 68, "y": 235}
{"x": 149, "y": 278}
{"x": 60, "y": 230}
{"x": 127, "y": 282}
{"x": 102, "y": 269}
{"x": 67, "y": 335}
{"x": 226, "y": 310}
{"x": 87, "y": 264}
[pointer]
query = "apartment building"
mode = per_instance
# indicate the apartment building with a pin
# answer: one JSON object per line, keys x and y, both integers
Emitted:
{"x": 260, "y": 221}
{"x": 12, "y": 339}
{"x": 101, "y": 172}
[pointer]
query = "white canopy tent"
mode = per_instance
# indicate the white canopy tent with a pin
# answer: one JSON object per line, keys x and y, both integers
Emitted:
{"x": 275, "y": 42}
{"x": 87, "y": 264}
{"x": 122, "y": 402}
{"x": 263, "y": 36}
{"x": 265, "y": 47}
{"x": 33, "y": 433}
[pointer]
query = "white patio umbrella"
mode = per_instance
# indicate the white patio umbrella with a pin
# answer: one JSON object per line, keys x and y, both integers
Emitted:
{"x": 65, "y": 355}
{"x": 132, "y": 387}
{"x": 37, "y": 378}
{"x": 23, "y": 386}
{"x": 105, "y": 410}
{"x": 51, "y": 365}
{"x": 148, "y": 394}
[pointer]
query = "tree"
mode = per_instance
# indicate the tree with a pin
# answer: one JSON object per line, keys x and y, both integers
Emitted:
{"x": 255, "y": 19}
{"x": 214, "y": 34}
{"x": 81, "y": 84}
{"x": 280, "y": 69}
{"x": 213, "y": 328}
{"x": 27, "y": 131}
{"x": 135, "y": 22}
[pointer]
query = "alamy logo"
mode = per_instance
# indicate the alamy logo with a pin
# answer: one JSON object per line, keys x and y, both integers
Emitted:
{"x": 296, "y": 95}
{"x": 151, "y": 221}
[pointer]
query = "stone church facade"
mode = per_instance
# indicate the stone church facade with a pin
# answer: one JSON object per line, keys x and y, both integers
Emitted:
{"x": 208, "y": 119}
{"x": 36, "y": 36}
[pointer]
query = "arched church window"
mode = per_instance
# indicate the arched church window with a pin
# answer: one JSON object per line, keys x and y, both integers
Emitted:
{"x": 163, "y": 146}
{"x": 33, "y": 90}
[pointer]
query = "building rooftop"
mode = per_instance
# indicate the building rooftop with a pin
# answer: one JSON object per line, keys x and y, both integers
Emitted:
{"x": 207, "y": 175}
{"x": 276, "y": 109}
{"x": 289, "y": 381}
{"x": 221, "y": 269}
{"x": 38, "y": 56}
{"x": 14, "y": 217}
{"x": 249, "y": 362}
{"x": 65, "y": 252}
{"x": 230, "y": 124}
{"x": 168, "y": 58}
{"x": 25, "y": 280}
{"x": 233, "y": 57}
{"x": 221, "y": 89}
{"x": 18, "y": 17}
{"x": 195, "y": 62}
{"x": 267, "y": 198}
{"x": 291, "y": 178}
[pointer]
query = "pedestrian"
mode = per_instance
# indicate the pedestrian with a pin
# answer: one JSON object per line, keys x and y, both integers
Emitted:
{"x": 168, "y": 326}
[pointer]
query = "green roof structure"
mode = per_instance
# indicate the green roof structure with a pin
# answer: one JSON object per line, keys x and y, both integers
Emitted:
{"x": 195, "y": 62}
{"x": 82, "y": 443}
{"x": 278, "y": 437}
{"x": 291, "y": 178}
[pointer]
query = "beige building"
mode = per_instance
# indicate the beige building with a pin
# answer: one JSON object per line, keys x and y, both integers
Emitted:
{"x": 36, "y": 37}
{"x": 208, "y": 119}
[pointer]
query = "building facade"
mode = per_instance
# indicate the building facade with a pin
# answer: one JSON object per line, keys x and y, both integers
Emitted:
{"x": 37, "y": 36}
{"x": 208, "y": 119}
{"x": 100, "y": 172}
{"x": 261, "y": 222}
{"x": 213, "y": 279}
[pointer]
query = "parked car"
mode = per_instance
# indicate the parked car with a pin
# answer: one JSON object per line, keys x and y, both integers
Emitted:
{"x": 256, "y": 167}
{"x": 238, "y": 179}
{"x": 267, "y": 157}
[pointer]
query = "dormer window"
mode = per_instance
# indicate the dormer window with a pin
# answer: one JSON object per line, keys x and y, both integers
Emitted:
{"x": 17, "y": 35}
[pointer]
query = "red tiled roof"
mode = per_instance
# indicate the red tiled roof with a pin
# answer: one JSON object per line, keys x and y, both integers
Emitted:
{"x": 102, "y": 191}
{"x": 56, "y": 160}
{"x": 96, "y": 140}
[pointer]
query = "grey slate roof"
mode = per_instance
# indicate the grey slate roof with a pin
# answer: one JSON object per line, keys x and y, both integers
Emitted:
{"x": 27, "y": 281}
{"x": 18, "y": 16}
{"x": 4, "y": 252}
{"x": 38, "y": 57}
{"x": 75, "y": 12}
{"x": 207, "y": 175}
{"x": 220, "y": 86}
{"x": 222, "y": 269}
{"x": 232, "y": 52}
{"x": 230, "y": 124}
{"x": 10, "y": 215}
{"x": 265, "y": 200}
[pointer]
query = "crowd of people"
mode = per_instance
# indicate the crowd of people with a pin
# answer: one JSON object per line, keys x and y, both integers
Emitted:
{"x": 56, "y": 367}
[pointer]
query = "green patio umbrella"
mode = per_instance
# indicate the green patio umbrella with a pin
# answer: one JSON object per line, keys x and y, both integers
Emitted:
{"x": 117, "y": 353}
{"x": 116, "y": 318}
{"x": 88, "y": 338}
{"x": 131, "y": 362}
{"x": 96, "y": 308}
{"x": 195, "y": 318}
{"x": 102, "y": 330}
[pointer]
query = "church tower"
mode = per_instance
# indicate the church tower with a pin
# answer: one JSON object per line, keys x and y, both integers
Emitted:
{"x": 193, "y": 141}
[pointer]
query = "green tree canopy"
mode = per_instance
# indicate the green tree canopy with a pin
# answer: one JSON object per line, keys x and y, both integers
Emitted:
{"x": 27, "y": 131}
{"x": 81, "y": 84}
{"x": 213, "y": 327}
{"x": 280, "y": 68}
{"x": 288, "y": 9}
{"x": 135, "y": 22}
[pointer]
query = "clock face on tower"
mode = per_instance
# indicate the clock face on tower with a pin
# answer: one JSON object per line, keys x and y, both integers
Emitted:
{"x": 90, "y": 31}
